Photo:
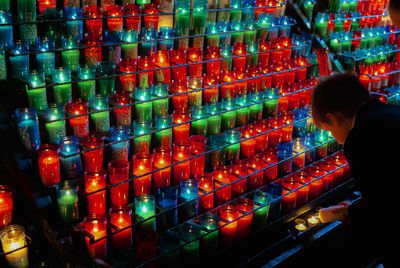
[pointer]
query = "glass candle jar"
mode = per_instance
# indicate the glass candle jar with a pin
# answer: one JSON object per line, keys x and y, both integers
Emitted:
{"x": 70, "y": 160}
{"x": 6, "y": 206}
{"x": 28, "y": 127}
{"x": 189, "y": 191}
{"x": 97, "y": 227}
{"x": 13, "y": 240}
{"x": 145, "y": 208}
{"x": 143, "y": 109}
{"x": 142, "y": 164}
{"x": 86, "y": 84}
{"x": 101, "y": 116}
{"x": 121, "y": 218}
{"x": 71, "y": 53}
{"x": 49, "y": 164}
{"x": 122, "y": 116}
{"x": 94, "y": 182}
{"x": 36, "y": 90}
{"x": 162, "y": 157}
{"x": 143, "y": 142}
{"x": 118, "y": 172}
{"x": 163, "y": 137}
{"x": 120, "y": 148}
{"x": 63, "y": 91}
{"x": 67, "y": 200}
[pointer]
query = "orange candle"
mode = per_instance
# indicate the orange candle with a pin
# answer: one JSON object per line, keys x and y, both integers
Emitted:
{"x": 115, "y": 24}
{"x": 181, "y": 132}
{"x": 301, "y": 178}
{"x": 178, "y": 57}
{"x": 142, "y": 164}
{"x": 197, "y": 145}
{"x": 80, "y": 124}
{"x": 206, "y": 201}
{"x": 121, "y": 218}
{"x": 222, "y": 178}
{"x": 229, "y": 90}
{"x": 213, "y": 68}
{"x": 93, "y": 158}
{"x": 96, "y": 226}
{"x": 244, "y": 206}
{"x": 256, "y": 162}
{"x": 94, "y": 181}
{"x": 49, "y": 164}
{"x": 239, "y": 63}
{"x": 228, "y": 233}
{"x": 289, "y": 195}
{"x": 180, "y": 102}
{"x": 247, "y": 147}
{"x": 240, "y": 169}
{"x": 162, "y": 157}
{"x": 6, "y": 206}
{"x": 118, "y": 171}
{"x": 195, "y": 54}
{"x": 182, "y": 170}
{"x": 161, "y": 59}
{"x": 210, "y": 94}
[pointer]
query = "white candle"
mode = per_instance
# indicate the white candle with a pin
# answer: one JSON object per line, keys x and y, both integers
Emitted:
{"x": 12, "y": 238}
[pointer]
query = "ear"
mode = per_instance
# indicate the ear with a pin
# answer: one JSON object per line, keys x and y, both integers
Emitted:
{"x": 333, "y": 119}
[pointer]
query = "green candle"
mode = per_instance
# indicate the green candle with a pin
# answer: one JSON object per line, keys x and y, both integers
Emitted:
{"x": 67, "y": 199}
{"x": 355, "y": 23}
{"x": 257, "y": 108}
{"x": 321, "y": 24}
{"x": 236, "y": 12}
{"x": 226, "y": 64}
{"x": 199, "y": 127}
{"x": 209, "y": 242}
{"x": 335, "y": 43}
{"x": 344, "y": 6}
{"x": 182, "y": 20}
{"x": 250, "y": 33}
{"x": 214, "y": 122}
{"x": 199, "y": 16}
{"x": 212, "y": 36}
{"x": 142, "y": 143}
{"x": 86, "y": 84}
{"x": 129, "y": 47}
{"x": 271, "y": 105}
{"x": 163, "y": 137}
{"x": 228, "y": 117}
{"x": 242, "y": 114}
{"x": 62, "y": 93}
{"x": 263, "y": 22}
{"x": 143, "y": 2}
{"x": 36, "y": 90}
{"x": 55, "y": 130}
{"x": 5, "y": 5}
{"x": 261, "y": 213}
{"x": 101, "y": 117}
{"x": 143, "y": 111}
{"x": 252, "y": 49}
{"x": 334, "y": 5}
{"x": 237, "y": 36}
{"x": 160, "y": 106}
{"x": 346, "y": 42}
{"x": 308, "y": 8}
{"x": 26, "y": 10}
{"x": 232, "y": 151}
{"x": 70, "y": 57}
{"x": 145, "y": 208}
{"x": 106, "y": 84}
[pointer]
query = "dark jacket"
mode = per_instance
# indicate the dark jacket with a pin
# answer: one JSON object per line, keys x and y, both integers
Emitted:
{"x": 372, "y": 149}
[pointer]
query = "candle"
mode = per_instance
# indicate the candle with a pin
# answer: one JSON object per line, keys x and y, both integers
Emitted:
{"x": 19, "y": 59}
{"x": 238, "y": 33}
{"x": 62, "y": 93}
{"x": 285, "y": 151}
{"x": 180, "y": 132}
{"x": 6, "y": 206}
{"x": 127, "y": 82}
{"x": 210, "y": 91}
{"x": 93, "y": 158}
{"x": 214, "y": 122}
{"x": 49, "y": 164}
{"x": 223, "y": 177}
{"x": 199, "y": 127}
{"x": 122, "y": 116}
{"x": 217, "y": 157}
{"x": 95, "y": 181}
{"x": 289, "y": 195}
{"x": 321, "y": 23}
{"x": 256, "y": 163}
{"x": 67, "y": 200}
{"x": 228, "y": 90}
{"x": 228, "y": 117}
{"x": 286, "y": 121}
{"x": 264, "y": 48}
{"x": 146, "y": 244}
{"x": 206, "y": 185}
{"x": 106, "y": 85}
{"x": 74, "y": 26}
{"x": 195, "y": 54}
{"x": 195, "y": 95}
{"x": 229, "y": 214}
{"x": 179, "y": 102}
{"x": 167, "y": 199}
{"x": 182, "y": 21}
{"x": 232, "y": 151}
{"x": 213, "y": 68}
{"x": 149, "y": 43}
{"x": 189, "y": 191}
{"x": 181, "y": 170}
{"x": 6, "y": 31}
{"x": 3, "y": 69}
{"x": 239, "y": 63}
{"x": 143, "y": 110}
{"x": 142, "y": 143}
{"x": 101, "y": 118}
{"x": 209, "y": 242}
{"x": 121, "y": 219}
{"x": 94, "y": 27}
{"x": 70, "y": 160}
{"x": 162, "y": 60}
{"x": 162, "y": 157}
{"x": 160, "y": 105}
{"x": 226, "y": 53}
{"x": 36, "y": 90}
{"x": 275, "y": 134}
{"x": 142, "y": 164}
{"x": 118, "y": 171}
{"x": 302, "y": 178}
{"x": 324, "y": 62}
{"x": 86, "y": 84}
{"x": 163, "y": 137}
{"x": 300, "y": 225}
{"x": 115, "y": 21}
{"x": 45, "y": 58}
{"x": 129, "y": 46}
{"x": 247, "y": 147}
{"x": 178, "y": 57}
{"x": 262, "y": 202}
{"x": 197, "y": 145}
{"x": 28, "y": 128}
{"x": 93, "y": 51}
{"x": 70, "y": 54}
{"x": 145, "y": 78}
{"x": 151, "y": 21}
{"x": 133, "y": 22}
{"x": 145, "y": 208}
{"x": 97, "y": 228}
{"x": 244, "y": 205}
{"x": 43, "y": 4}
{"x": 13, "y": 240}
{"x": 120, "y": 148}
{"x": 240, "y": 169}
{"x": 190, "y": 252}
{"x": 212, "y": 37}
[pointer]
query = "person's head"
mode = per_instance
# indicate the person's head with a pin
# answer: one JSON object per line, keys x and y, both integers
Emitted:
{"x": 335, "y": 102}
{"x": 394, "y": 11}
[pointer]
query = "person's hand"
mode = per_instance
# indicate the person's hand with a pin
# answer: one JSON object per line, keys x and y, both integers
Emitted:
{"x": 334, "y": 213}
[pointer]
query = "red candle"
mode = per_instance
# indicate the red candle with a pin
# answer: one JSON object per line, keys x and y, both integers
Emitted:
{"x": 94, "y": 181}
{"x": 287, "y": 131}
{"x": 115, "y": 24}
{"x": 239, "y": 63}
{"x": 162, "y": 157}
{"x": 6, "y": 206}
{"x": 301, "y": 74}
{"x": 146, "y": 245}
{"x": 324, "y": 62}
{"x": 213, "y": 68}
{"x": 294, "y": 98}
{"x": 195, "y": 54}
{"x": 271, "y": 157}
{"x": 239, "y": 168}
{"x": 94, "y": 27}
{"x": 93, "y": 158}
{"x": 123, "y": 116}
{"x": 241, "y": 86}
{"x": 178, "y": 57}
{"x": 315, "y": 182}
{"x": 263, "y": 57}
{"x": 127, "y": 82}
{"x": 180, "y": 132}
{"x": 261, "y": 126}
{"x": 145, "y": 78}
{"x": 151, "y": 21}
{"x": 98, "y": 229}
{"x": 46, "y": 4}
{"x": 340, "y": 160}
{"x": 222, "y": 178}
{"x": 228, "y": 233}
{"x": 49, "y": 164}
{"x": 277, "y": 51}
{"x": 274, "y": 137}
{"x": 161, "y": 60}
{"x": 256, "y": 163}
{"x": 290, "y": 76}
{"x": 244, "y": 205}
{"x": 197, "y": 144}
{"x": 266, "y": 81}
{"x": 206, "y": 201}
{"x": 179, "y": 102}
{"x": 289, "y": 196}
{"x": 182, "y": 170}
{"x": 118, "y": 171}
{"x": 329, "y": 179}
{"x": 278, "y": 79}
{"x": 210, "y": 94}
{"x": 229, "y": 90}
{"x": 93, "y": 53}
{"x": 142, "y": 164}
{"x": 255, "y": 83}
{"x": 121, "y": 218}
{"x": 79, "y": 125}
{"x": 287, "y": 44}
{"x": 247, "y": 147}
{"x": 302, "y": 178}
{"x": 132, "y": 19}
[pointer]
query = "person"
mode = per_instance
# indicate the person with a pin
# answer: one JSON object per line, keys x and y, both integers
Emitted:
{"x": 370, "y": 132}
{"x": 394, "y": 12}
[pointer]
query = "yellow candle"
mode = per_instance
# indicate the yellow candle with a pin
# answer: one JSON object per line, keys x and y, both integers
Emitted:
{"x": 12, "y": 238}
{"x": 300, "y": 225}
{"x": 313, "y": 220}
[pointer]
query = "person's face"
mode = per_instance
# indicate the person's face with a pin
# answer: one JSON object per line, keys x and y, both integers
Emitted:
{"x": 337, "y": 126}
{"x": 395, "y": 16}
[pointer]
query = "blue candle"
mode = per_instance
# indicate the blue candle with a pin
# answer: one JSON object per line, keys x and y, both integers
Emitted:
{"x": 189, "y": 192}
{"x": 74, "y": 27}
{"x": 113, "y": 50}
{"x": 120, "y": 150}
{"x": 6, "y": 31}
{"x": 70, "y": 160}
{"x": 166, "y": 32}
{"x": 28, "y": 127}
{"x": 45, "y": 61}
{"x": 19, "y": 62}
{"x": 224, "y": 36}
{"x": 36, "y": 90}
{"x": 168, "y": 200}
{"x": 129, "y": 45}
{"x": 148, "y": 37}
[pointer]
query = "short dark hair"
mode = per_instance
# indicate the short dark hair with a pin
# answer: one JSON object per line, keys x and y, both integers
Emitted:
{"x": 394, "y": 4}
{"x": 341, "y": 92}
